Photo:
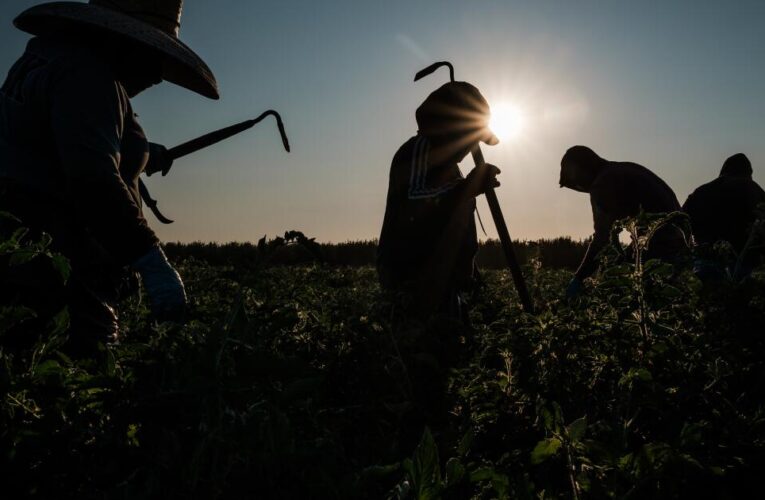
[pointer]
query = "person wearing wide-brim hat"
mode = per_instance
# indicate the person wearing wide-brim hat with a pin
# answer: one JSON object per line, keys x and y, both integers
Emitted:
{"x": 429, "y": 226}
{"x": 71, "y": 150}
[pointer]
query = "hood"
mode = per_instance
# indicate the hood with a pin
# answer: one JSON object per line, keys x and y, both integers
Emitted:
{"x": 456, "y": 109}
{"x": 737, "y": 165}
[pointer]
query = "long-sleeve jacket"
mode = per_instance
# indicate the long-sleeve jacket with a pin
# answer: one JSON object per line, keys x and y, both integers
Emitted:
{"x": 724, "y": 209}
{"x": 68, "y": 132}
{"x": 619, "y": 191}
{"x": 421, "y": 201}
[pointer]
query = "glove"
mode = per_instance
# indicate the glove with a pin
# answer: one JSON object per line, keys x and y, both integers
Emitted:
{"x": 481, "y": 179}
{"x": 159, "y": 160}
{"x": 574, "y": 288}
{"x": 163, "y": 285}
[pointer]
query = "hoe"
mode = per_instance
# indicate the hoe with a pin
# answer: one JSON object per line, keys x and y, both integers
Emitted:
{"x": 202, "y": 142}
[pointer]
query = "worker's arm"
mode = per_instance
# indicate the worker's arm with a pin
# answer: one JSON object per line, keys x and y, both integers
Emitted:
{"x": 439, "y": 268}
{"x": 603, "y": 222}
{"x": 159, "y": 160}
{"x": 451, "y": 195}
{"x": 87, "y": 118}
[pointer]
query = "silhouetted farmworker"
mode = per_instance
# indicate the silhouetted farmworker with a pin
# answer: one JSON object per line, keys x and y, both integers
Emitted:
{"x": 428, "y": 240}
{"x": 71, "y": 150}
{"x": 618, "y": 190}
{"x": 724, "y": 210}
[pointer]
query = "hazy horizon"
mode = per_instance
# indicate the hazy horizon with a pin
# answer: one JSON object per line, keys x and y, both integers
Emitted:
{"x": 675, "y": 87}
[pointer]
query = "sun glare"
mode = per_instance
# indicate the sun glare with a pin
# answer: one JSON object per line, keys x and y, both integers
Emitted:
{"x": 506, "y": 121}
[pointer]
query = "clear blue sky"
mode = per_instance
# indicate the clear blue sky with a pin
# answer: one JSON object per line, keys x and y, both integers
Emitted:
{"x": 676, "y": 86}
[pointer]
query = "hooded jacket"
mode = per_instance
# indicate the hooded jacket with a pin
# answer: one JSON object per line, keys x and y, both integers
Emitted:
{"x": 421, "y": 200}
{"x": 724, "y": 209}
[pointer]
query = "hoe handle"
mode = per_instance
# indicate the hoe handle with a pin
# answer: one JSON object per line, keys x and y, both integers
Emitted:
{"x": 504, "y": 238}
{"x": 215, "y": 137}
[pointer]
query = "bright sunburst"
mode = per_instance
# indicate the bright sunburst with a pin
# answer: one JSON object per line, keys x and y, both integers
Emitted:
{"x": 506, "y": 121}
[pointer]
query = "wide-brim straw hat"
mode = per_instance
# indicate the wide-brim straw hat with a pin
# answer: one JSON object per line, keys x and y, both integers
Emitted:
{"x": 152, "y": 23}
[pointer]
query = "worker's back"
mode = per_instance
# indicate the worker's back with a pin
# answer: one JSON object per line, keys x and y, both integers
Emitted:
{"x": 724, "y": 209}
{"x": 622, "y": 188}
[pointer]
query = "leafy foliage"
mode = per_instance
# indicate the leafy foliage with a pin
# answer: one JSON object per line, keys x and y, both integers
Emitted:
{"x": 563, "y": 253}
{"x": 303, "y": 382}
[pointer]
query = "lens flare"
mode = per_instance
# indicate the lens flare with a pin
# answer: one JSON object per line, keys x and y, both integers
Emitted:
{"x": 506, "y": 121}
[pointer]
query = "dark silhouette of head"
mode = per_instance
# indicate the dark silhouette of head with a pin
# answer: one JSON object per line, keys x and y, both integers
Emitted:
{"x": 737, "y": 165}
{"x": 579, "y": 167}
{"x": 137, "y": 68}
{"x": 455, "y": 118}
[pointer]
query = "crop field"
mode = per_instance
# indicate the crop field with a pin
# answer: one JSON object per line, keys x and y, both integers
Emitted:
{"x": 306, "y": 381}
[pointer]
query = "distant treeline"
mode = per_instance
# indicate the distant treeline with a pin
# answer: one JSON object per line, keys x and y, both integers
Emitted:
{"x": 556, "y": 253}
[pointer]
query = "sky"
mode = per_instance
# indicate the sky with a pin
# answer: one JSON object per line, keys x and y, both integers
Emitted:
{"x": 675, "y": 86}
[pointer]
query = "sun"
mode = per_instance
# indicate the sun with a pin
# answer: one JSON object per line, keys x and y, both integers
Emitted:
{"x": 506, "y": 121}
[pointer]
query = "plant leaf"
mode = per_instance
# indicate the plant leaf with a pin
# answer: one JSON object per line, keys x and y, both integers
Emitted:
{"x": 576, "y": 429}
{"x": 544, "y": 450}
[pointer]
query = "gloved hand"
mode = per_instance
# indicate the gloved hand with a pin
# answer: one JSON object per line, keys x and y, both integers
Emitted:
{"x": 164, "y": 287}
{"x": 481, "y": 179}
{"x": 159, "y": 160}
{"x": 574, "y": 288}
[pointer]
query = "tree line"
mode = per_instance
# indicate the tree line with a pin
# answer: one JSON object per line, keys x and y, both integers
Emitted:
{"x": 294, "y": 248}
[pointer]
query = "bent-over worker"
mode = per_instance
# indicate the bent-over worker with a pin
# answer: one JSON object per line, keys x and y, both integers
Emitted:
{"x": 618, "y": 190}
{"x": 724, "y": 210}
